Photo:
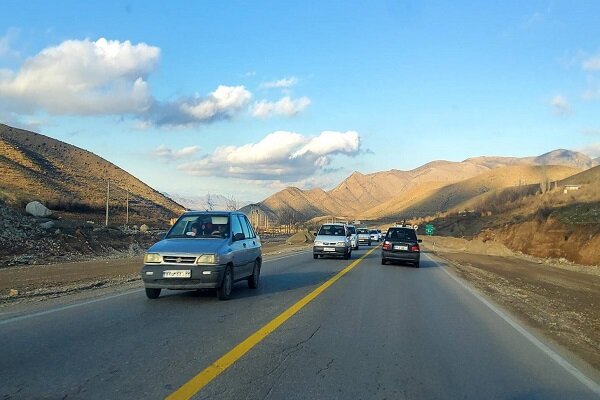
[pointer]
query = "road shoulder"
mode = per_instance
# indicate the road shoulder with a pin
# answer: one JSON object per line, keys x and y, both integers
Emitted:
{"x": 559, "y": 304}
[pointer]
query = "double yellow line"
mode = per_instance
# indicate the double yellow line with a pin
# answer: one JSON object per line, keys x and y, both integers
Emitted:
{"x": 196, "y": 384}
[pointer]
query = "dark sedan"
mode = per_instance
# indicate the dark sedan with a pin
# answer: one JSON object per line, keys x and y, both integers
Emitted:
{"x": 401, "y": 245}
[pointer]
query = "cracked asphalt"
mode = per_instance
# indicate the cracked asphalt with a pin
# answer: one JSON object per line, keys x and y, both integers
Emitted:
{"x": 380, "y": 332}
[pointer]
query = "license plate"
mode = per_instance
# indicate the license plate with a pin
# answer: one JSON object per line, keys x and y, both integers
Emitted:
{"x": 329, "y": 249}
{"x": 400, "y": 247}
{"x": 185, "y": 273}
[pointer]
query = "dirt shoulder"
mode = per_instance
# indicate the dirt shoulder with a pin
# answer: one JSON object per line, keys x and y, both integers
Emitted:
{"x": 40, "y": 282}
{"x": 561, "y": 300}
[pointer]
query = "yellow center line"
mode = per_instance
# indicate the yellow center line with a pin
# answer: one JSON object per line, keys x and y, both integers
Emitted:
{"x": 195, "y": 384}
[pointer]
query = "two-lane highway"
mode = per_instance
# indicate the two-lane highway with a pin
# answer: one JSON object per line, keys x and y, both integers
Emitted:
{"x": 376, "y": 332}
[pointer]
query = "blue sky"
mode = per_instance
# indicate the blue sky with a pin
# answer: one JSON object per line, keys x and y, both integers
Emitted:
{"x": 246, "y": 98}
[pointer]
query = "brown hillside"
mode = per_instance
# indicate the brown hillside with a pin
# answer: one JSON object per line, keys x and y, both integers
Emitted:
{"x": 70, "y": 179}
{"x": 590, "y": 176}
{"x": 458, "y": 195}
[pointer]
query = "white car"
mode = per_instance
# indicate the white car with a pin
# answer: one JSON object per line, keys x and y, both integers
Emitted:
{"x": 375, "y": 236}
{"x": 353, "y": 236}
{"x": 332, "y": 240}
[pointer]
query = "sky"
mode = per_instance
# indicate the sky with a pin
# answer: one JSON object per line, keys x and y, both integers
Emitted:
{"x": 246, "y": 98}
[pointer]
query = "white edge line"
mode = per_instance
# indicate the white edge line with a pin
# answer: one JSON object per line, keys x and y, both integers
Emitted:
{"x": 85, "y": 303}
{"x": 53, "y": 310}
{"x": 580, "y": 376}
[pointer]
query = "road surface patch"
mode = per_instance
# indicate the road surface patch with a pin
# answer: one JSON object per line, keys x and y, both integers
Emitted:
{"x": 195, "y": 384}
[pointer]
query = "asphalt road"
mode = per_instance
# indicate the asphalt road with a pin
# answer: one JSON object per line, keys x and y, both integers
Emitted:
{"x": 379, "y": 332}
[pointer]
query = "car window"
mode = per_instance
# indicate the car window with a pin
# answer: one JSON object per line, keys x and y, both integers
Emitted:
{"x": 199, "y": 226}
{"x": 402, "y": 235}
{"x": 327, "y": 230}
{"x": 352, "y": 230}
{"x": 251, "y": 232}
{"x": 236, "y": 227}
{"x": 363, "y": 231}
{"x": 244, "y": 226}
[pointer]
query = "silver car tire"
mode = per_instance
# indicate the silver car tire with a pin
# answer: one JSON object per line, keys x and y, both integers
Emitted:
{"x": 224, "y": 291}
{"x": 254, "y": 280}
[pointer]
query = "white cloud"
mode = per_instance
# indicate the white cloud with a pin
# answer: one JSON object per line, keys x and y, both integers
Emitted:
{"x": 559, "y": 105}
{"x": 226, "y": 100}
{"x": 281, "y": 83}
{"x": 224, "y": 103}
{"x": 282, "y": 155}
{"x": 109, "y": 77}
{"x": 329, "y": 142}
{"x": 286, "y": 106}
{"x": 169, "y": 154}
{"x": 83, "y": 77}
{"x": 591, "y": 64}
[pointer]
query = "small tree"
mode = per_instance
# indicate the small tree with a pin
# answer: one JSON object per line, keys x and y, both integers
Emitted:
{"x": 232, "y": 204}
{"x": 210, "y": 203}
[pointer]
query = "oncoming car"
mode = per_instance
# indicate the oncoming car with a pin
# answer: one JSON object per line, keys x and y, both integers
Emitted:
{"x": 204, "y": 250}
{"x": 375, "y": 236}
{"x": 401, "y": 245}
{"x": 353, "y": 237}
{"x": 364, "y": 236}
{"x": 332, "y": 240}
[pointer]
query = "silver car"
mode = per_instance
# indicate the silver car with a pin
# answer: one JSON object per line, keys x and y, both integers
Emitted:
{"x": 204, "y": 250}
{"x": 333, "y": 240}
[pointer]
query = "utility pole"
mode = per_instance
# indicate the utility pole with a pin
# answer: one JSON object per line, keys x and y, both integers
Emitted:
{"x": 107, "y": 197}
{"x": 127, "y": 208}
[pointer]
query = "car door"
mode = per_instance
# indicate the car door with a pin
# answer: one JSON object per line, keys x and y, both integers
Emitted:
{"x": 253, "y": 243}
{"x": 238, "y": 248}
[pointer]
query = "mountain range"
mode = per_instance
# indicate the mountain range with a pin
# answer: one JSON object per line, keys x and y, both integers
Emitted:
{"x": 437, "y": 186}
{"x": 67, "y": 178}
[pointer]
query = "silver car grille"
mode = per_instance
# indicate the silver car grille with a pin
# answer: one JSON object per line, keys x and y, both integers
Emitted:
{"x": 179, "y": 259}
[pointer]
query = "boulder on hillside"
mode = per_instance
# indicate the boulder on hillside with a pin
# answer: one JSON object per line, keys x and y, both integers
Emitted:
{"x": 301, "y": 238}
{"x": 37, "y": 209}
{"x": 144, "y": 228}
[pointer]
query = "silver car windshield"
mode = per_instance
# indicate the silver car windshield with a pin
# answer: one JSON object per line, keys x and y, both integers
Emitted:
{"x": 331, "y": 230}
{"x": 214, "y": 226}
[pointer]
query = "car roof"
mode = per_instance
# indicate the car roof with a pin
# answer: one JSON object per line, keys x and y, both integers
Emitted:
{"x": 334, "y": 223}
{"x": 397, "y": 228}
{"x": 198, "y": 212}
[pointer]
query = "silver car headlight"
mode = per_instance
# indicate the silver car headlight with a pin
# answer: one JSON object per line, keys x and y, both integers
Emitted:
{"x": 318, "y": 243}
{"x": 207, "y": 259}
{"x": 152, "y": 258}
{"x": 340, "y": 244}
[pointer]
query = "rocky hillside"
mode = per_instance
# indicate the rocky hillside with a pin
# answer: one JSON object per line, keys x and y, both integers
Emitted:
{"x": 70, "y": 179}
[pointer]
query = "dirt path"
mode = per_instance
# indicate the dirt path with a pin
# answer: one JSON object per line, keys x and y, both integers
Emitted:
{"x": 562, "y": 303}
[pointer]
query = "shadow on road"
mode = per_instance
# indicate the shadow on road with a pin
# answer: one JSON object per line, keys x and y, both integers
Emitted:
{"x": 269, "y": 284}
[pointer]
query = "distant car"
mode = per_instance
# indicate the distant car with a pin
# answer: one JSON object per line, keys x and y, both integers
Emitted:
{"x": 401, "y": 244}
{"x": 333, "y": 240}
{"x": 364, "y": 236}
{"x": 204, "y": 250}
{"x": 374, "y": 235}
{"x": 353, "y": 237}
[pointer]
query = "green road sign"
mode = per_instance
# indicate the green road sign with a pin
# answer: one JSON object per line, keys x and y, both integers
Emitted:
{"x": 429, "y": 229}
